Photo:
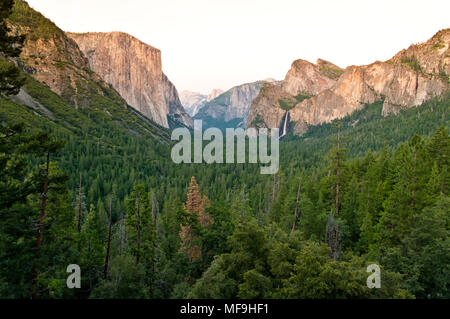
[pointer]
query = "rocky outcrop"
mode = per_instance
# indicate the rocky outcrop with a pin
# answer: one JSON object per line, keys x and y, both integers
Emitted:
{"x": 307, "y": 78}
{"x": 233, "y": 104}
{"x": 54, "y": 59}
{"x": 302, "y": 81}
{"x": 408, "y": 79}
{"x": 430, "y": 57}
{"x": 400, "y": 86}
{"x": 60, "y": 75}
{"x": 134, "y": 69}
{"x": 76, "y": 72}
{"x": 266, "y": 110}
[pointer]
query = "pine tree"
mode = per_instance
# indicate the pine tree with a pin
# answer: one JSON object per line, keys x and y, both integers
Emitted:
{"x": 16, "y": 233}
{"x": 80, "y": 205}
{"x": 141, "y": 236}
{"x": 42, "y": 145}
{"x": 195, "y": 216}
{"x": 92, "y": 249}
{"x": 108, "y": 241}
{"x": 11, "y": 78}
{"x": 141, "y": 231}
{"x": 439, "y": 151}
{"x": 337, "y": 157}
{"x": 297, "y": 202}
{"x": 409, "y": 176}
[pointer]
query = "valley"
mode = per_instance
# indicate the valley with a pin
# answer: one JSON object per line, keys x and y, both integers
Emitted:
{"x": 87, "y": 176}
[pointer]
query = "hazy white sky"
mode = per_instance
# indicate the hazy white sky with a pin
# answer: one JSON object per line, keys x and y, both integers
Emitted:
{"x": 210, "y": 44}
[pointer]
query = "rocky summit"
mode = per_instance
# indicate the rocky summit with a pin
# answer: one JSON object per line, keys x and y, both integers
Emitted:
{"x": 319, "y": 93}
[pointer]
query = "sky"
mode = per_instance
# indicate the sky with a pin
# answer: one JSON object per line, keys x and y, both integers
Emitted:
{"x": 208, "y": 44}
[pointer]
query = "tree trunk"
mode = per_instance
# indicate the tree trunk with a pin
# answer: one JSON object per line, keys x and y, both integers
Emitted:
{"x": 296, "y": 205}
{"x": 138, "y": 255}
{"x": 273, "y": 188}
{"x": 108, "y": 245}
{"x": 79, "y": 207}
{"x": 155, "y": 211}
{"x": 259, "y": 207}
{"x": 121, "y": 236}
{"x": 338, "y": 170}
{"x": 41, "y": 226}
{"x": 414, "y": 178}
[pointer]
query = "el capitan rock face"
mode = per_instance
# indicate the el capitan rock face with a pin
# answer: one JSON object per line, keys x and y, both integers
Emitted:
{"x": 133, "y": 69}
{"x": 55, "y": 60}
{"x": 410, "y": 78}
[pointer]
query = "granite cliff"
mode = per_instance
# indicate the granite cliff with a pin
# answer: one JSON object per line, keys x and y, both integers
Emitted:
{"x": 83, "y": 69}
{"x": 134, "y": 69}
{"x": 54, "y": 59}
{"x": 231, "y": 108}
{"x": 325, "y": 92}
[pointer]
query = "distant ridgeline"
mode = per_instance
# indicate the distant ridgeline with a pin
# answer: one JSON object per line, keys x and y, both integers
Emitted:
{"x": 314, "y": 94}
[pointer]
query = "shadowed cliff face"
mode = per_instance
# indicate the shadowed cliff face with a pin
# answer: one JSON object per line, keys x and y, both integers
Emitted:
{"x": 55, "y": 60}
{"x": 134, "y": 69}
{"x": 410, "y": 78}
{"x": 265, "y": 110}
{"x": 233, "y": 104}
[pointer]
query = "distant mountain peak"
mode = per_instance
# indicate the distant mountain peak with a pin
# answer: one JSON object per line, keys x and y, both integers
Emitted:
{"x": 194, "y": 101}
{"x": 213, "y": 94}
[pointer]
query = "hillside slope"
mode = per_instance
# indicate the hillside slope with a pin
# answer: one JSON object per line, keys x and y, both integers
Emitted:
{"x": 134, "y": 69}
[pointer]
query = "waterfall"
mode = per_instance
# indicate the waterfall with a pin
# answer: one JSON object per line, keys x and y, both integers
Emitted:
{"x": 284, "y": 124}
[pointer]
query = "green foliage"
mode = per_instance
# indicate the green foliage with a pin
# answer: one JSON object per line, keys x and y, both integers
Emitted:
{"x": 302, "y": 96}
{"x": 36, "y": 234}
{"x": 92, "y": 249}
{"x": 11, "y": 79}
{"x": 412, "y": 62}
{"x": 37, "y": 26}
{"x": 127, "y": 280}
{"x": 332, "y": 73}
{"x": 268, "y": 263}
{"x": 140, "y": 228}
{"x": 287, "y": 103}
{"x": 258, "y": 121}
{"x": 438, "y": 46}
{"x": 10, "y": 46}
{"x": 250, "y": 250}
